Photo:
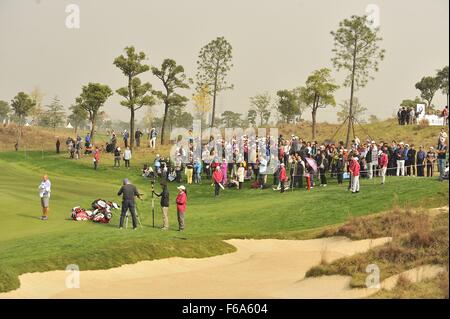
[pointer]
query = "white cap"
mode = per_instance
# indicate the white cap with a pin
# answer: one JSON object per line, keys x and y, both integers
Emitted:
{"x": 181, "y": 187}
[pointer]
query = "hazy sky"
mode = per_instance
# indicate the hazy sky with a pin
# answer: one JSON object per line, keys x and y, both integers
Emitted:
{"x": 276, "y": 45}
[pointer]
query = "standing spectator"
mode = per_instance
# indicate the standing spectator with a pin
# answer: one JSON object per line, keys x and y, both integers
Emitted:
{"x": 128, "y": 192}
{"x": 372, "y": 158}
{"x": 127, "y": 157}
{"x": 113, "y": 141}
{"x": 117, "y": 156}
{"x": 399, "y": 116}
{"x": 44, "y": 194}
{"x": 181, "y": 206}
{"x": 445, "y": 115}
{"x": 400, "y": 157}
{"x": 217, "y": 178}
{"x": 441, "y": 157}
{"x": 340, "y": 165}
{"x": 58, "y": 145}
{"x": 224, "y": 168}
{"x": 197, "y": 171}
{"x": 126, "y": 136}
{"x": 164, "y": 204}
{"x": 431, "y": 158}
{"x": 96, "y": 157}
{"x": 383, "y": 162}
{"x": 87, "y": 140}
{"x": 189, "y": 171}
{"x": 283, "y": 177}
{"x": 411, "y": 161}
{"x": 240, "y": 175}
{"x": 354, "y": 174}
{"x": 420, "y": 161}
{"x": 153, "y": 135}
{"x": 323, "y": 167}
{"x": 137, "y": 136}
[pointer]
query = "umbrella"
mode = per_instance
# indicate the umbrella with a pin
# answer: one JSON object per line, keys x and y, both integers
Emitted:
{"x": 312, "y": 163}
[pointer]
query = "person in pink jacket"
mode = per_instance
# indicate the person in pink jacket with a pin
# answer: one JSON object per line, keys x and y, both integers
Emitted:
{"x": 283, "y": 177}
{"x": 354, "y": 174}
{"x": 224, "y": 172}
{"x": 383, "y": 162}
{"x": 181, "y": 206}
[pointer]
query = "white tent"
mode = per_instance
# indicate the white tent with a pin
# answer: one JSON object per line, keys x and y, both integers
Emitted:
{"x": 69, "y": 125}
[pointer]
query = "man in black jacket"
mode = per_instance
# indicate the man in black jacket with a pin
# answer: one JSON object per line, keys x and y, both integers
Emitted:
{"x": 164, "y": 204}
{"x": 128, "y": 192}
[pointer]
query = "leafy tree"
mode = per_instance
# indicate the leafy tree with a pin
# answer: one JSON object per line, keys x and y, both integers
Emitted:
{"x": 78, "y": 117}
{"x": 202, "y": 101}
{"x": 4, "y": 110}
{"x": 287, "y": 105}
{"x": 37, "y": 111}
{"x": 231, "y": 119}
{"x": 358, "y": 110}
{"x": 91, "y": 99}
{"x": 22, "y": 104}
{"x": 135, "y": 93}
{"x": 301, "y": 104}
{"x": 318, "y": 93}
{"x": 356, "y": 51}
{"x": 214, "y": 62}
{"x": 260, "y": 103}
{"x": 251, "y": 117}
{"x": 55, "y": 115}
{"x": 442, "y": 76}
{"x": 428, "y": 86}
{"x": 172, "y": 77}
{"x": 411, "y": 103}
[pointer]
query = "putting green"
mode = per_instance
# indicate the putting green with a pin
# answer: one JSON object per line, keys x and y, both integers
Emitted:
{"x": 28, "y": 244}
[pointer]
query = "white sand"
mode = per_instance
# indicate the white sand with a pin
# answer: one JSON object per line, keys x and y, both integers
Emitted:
{"x": 258, "y": 269}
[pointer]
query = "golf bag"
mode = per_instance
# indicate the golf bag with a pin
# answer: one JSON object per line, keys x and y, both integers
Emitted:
{"x": 100, "y": 213}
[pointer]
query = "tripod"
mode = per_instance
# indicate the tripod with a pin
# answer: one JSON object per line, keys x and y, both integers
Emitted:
{"x": 153, "y": 203}
{"x": 137, "y": 217}
{"x": 352, "y": 119}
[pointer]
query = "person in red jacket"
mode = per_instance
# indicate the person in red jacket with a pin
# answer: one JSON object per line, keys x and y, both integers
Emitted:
{"x": 217, "y": 178}
{"x": 383, "y": 162}
{"x": 181, "y": 206}
{"x": 354, "y": 174}
{"x": 96, "y": 157}
{"x": 283, "y": 177}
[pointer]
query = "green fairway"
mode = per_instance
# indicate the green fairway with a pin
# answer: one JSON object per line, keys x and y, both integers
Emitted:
{"x": 28, "y": 244}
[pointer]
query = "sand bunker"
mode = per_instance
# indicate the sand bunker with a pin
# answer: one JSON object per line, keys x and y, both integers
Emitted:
{"x": 258, "y": 269}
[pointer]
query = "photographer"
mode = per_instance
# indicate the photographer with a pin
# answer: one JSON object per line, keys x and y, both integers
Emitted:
{"x": 128, "y": 192}
{"x": 164, "y": 204}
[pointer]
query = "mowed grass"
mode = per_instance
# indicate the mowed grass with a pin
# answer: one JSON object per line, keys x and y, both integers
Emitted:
{"x": 28, "y": 244}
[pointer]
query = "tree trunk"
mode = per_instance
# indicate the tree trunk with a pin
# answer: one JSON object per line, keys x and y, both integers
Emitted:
{"x": 166, "y": 109}
{"x": 131, "y": 128}
{"x": 130, "y": 95}
{"x": 313, "y": 115}
{"x": 213, "y": 108}
{"x": 350, "y": 110}
{"x": 93, "y": 128}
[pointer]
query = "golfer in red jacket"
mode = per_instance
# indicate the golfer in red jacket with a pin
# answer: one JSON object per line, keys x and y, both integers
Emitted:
{"x": 283, "y": 176}
{"x": 217, "y": 178}
{"x": 354, "y": 172}
{"x": 181, "y": 206}
{"x": 96, "y": 157}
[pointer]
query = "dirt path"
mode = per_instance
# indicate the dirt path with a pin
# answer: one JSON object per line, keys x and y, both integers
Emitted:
{"x": 258, "y": 269}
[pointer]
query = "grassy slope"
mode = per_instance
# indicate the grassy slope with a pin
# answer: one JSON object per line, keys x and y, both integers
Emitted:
{"x": 37, "y": 138}
{"x": 28, "y": 244}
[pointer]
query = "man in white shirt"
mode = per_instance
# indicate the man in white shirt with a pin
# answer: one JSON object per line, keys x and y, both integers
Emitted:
{"x": 44, "y": 194}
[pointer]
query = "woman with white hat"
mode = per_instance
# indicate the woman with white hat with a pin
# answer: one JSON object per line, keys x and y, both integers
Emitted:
{"x": 181, "y": 206}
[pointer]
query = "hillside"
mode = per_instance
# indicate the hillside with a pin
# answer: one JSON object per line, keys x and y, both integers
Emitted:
{"x": 38, "y": 138}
